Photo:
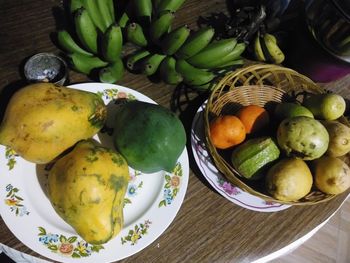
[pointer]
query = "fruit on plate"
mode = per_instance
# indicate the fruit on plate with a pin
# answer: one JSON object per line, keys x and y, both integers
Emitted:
{"x": 149, "y": 136}
{"x": 332, "y": 175}
{"x": 327, "y": 106}
{"x": 290, "y": 179}
{"x": 42, "y": 120}
{"x": 226, "y": 131}
{"x": 86, "y": 188}
{"x": 286, "y": 110}
{"x": 339, "y": 138}
{"x": 252, "y": 157}
{"x": 253, "y": 117}
{"x": 302, "y": 137}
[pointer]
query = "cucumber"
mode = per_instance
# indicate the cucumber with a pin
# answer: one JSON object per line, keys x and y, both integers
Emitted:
{"x": 252, "y": 157}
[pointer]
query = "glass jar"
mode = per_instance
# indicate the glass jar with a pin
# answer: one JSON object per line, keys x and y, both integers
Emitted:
{"x": 329, "y": 23}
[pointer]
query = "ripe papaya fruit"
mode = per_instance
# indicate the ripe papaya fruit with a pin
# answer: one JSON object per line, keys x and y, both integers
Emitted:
{"x": 149, "y": 136}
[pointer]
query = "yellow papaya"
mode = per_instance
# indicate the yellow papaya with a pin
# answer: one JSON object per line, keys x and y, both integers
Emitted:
{"x": 87, "y": 187}
{"x": 43, "y": 120}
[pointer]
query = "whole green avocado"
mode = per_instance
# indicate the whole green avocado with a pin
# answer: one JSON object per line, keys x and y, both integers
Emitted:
{"x": 150, "y": 137}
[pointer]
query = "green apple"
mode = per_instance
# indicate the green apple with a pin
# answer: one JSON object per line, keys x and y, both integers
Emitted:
{"x": 286, "y": 110}
{"x": 327, "y": 106}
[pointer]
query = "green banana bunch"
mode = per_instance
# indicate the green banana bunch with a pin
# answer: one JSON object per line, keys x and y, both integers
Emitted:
{"x": 150, "y": 64}
{"x": 266, "y": 49}
{"x": 94, "y": 13}
{"x": 174, "y": 40}
{"x": 191, "y": 75}
{"x": 123, "y": 20}
{"x": 84, "y": 64}
{"x": 112, "y": 43}
{"x": 160, "y": 25}
{"x": 135, "y": 35}
{"x": 170, "y": 5}
{"x": 142, "y": 10}
{"x": 133, "y": 59}
{"x": 195, "y": 43}
{"x": 113, "y": 72}
{"x": 68, "y": 44}
{"x": 207, "y": 57}
{"x": 86, "y": 30}
{"x": 106, "y": 9}
{"x": 168, "y": 73}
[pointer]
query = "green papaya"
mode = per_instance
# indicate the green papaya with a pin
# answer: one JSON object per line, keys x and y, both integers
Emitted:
{"x": 87, "y": 187}
{"x": 43, "y": 120}
{"x": 149, "y": 136}
{"x": 253, "y": 156}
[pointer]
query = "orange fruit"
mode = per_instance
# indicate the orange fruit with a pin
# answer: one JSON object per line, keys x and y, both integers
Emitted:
{"x": 253, "y": 118}
{"x": 226, "y": 131}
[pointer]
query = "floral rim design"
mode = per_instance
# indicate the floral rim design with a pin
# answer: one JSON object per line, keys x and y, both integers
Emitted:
{"x": 14, "y": 201}
{"x": 136, "y": 233}
{"x": 10, "y": 156}
{"x": 171, "y": 186}
{"x": 71, "y": 246}
{"x": 114, "y": 94}
{"x": 228, "y": 187}
{"x": 133, "y": 187}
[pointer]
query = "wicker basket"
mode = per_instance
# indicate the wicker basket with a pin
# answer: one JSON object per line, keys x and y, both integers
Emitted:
{"x": 261, "y": 85}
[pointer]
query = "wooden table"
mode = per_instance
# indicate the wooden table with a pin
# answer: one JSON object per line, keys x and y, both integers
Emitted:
{"x": 208, "y": 228}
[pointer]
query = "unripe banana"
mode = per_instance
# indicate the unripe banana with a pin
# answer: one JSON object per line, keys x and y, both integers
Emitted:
{"x": 193, "y": 76}
{"x": 195, "y": 42}
{"x": 174, "y": 40}
{"x": 150, "y": 64}
{"x": 259, "y": 54}
{"x": 171, "y": 5}
{"x": 160, "y": 25}
{"x": 74, "y": 5}
{"x": 110, "y": 4}
{"x": 143, "y": 10}
{"x": 113, "y": 72}
{"x": 85, "y": 64}
{"x": 232, "y": 56}
{"x": 104, "y": 9}
{"x": 92, "y": 9}
{"x": 86, "y": 30}
{"x": 123, "y": 20}
{"x": 135, "y": 35}
{"x": 229, "y": 64}
{"x": 273, "y": 49}
{"x": 134, "y": 58}
{"x": 112, "y": 43}
{"x": 168, "y": 72}
{"x": 68, "y": 44}
{"x": 211, "y": 53}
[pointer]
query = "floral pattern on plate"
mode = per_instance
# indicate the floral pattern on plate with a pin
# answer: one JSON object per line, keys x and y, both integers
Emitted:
{"x": 10, "y": 156}
{"x": 136, "y": 233}
{"x": 14, "y": 201}
{"x": 133, "y": 187}
{"x": 171, "y": 187}
{"x": 67, "y": 246}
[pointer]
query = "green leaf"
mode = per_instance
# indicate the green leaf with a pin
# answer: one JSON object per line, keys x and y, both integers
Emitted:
{"x": 42, "y": 231}
{"x": 9, "y": 194}
{"x": 84, "y": 254}
{"x": 97, "y": 248}
{"x": 63, "y": 239}
{"x": 162, "y": 203}
{"x": 167, "y": 177}
{"x": 175, "y": 191}
{"x": 75, "y": 255}
{"x": 19, "y": 198}
{"x": 167, "y": 185}
{"x": 52, "y": 247}
{"x": 15, "y": 190}
{"x": 72, "y": 239}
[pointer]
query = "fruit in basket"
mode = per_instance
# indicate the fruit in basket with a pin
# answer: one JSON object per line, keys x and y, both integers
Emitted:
{"x": 149, "y": 136}
{"x": 332, "y": 175}
{"x": 87, "y": 187}
{"x": 339, "y": 138}
{"x": 253, "y": 117}
{"x": 286, "y": 110}
{"x": 42, "y": 120}
{"x": 290, "y": 179}
{"x": 226, "y": 131}
{"x": 254, "y": 156}
{"x": 302, "y": 137}
{"x": 327, "y": 106}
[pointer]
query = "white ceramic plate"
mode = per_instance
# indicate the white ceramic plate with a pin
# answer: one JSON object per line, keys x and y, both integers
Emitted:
{"x": 216, "y": 179}
{"x": 151, "y": 203}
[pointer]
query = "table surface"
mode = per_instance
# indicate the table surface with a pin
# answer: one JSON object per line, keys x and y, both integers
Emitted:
{"x": 208, "y": 227}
